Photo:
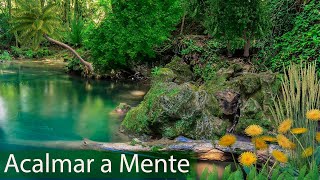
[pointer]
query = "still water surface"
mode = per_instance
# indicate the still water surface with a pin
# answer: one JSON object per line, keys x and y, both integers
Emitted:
{"x": 47, "y": 105}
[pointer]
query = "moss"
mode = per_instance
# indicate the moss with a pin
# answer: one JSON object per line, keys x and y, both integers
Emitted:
{"x": 136, "y": 120}
{"x": 163, "y": 75}
{"x": 214, "y": 107}
{"x": 250, "y": 83}
{"x": 259, "y": 97}
{"x": 181, "y": 69}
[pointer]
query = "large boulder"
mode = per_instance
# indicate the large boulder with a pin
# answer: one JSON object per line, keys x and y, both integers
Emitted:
{"x": 171, "y": 110}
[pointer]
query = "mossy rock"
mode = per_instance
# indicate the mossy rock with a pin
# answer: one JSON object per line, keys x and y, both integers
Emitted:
{"x": 136, "y": 120}
{"x": 181, "y": 69}
{"x": 250, "y": 83}
{"x": 251, "y": 109}
{"x": 170, "y": 110}
{"x": 163, "y": 75}
{"x": 210, "y": 127}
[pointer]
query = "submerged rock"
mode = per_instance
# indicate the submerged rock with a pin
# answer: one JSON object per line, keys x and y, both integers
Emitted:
{"x": 122, "y": 109}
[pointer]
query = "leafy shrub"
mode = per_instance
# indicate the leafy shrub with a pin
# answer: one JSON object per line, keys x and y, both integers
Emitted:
{"x": 28, "y": 53}
{"x": 6, "y": 36}
{"x": 5, "y": 56}
{"x": 302, "y": 43}
{"x": 74, "y": 66}
{"x": 132, "y": 31}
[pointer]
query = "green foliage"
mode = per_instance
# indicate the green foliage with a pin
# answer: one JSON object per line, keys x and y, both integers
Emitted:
{"x": 31, "y": 21}
{"x": 232, "y": 20}
{"x": 5, "y": 35}
{"x": 29, "y": 53}
{"x": 302, "y": 43}
{"x": 132, "y": 31}
{"x": 252, "y": 173}
{"x": 5, "y": 56}
{"x": 74, "y": 65}
{"x": 75, "y": 35}
{"x": 283, "y": 13}
{"x": 155, "y": 71}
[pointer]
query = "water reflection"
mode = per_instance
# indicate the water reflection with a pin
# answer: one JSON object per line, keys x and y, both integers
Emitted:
{"x": 37, "y": 104}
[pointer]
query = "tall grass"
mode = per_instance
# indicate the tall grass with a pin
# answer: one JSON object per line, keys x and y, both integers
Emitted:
{"x": 300, "y": 93}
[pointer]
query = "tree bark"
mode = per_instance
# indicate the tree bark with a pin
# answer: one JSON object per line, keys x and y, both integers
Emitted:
{"x": 202, "y": 149}
{"x": 229, "y": 54}
{"x": 85, "y": 63}
{"x": 246, "y": 52}
{"x": 182, "y": 23}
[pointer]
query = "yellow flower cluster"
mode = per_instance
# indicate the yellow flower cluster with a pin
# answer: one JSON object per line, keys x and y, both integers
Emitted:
{"x": 285, "y": 126}
{"x": 313, "y": 115}
{"x": 280, "y": 156}
{"x": 253, "y": 130}
{"x": 227, "y": 140}
{"x": 307, "y": 152}
{"x": 299, "y": 130}
{"x": 261, "y": 141}
{"x": 284, "y": 142}
{"x": 247, "y": 158}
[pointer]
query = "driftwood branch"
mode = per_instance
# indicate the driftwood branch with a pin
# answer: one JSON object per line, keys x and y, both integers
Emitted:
{"x": 204, "y": 150}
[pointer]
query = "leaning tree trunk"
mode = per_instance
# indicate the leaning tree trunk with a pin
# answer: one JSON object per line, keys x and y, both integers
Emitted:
{"x": 85, "y": 63}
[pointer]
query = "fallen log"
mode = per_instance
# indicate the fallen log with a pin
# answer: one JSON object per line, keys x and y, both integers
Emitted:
{"x": 204, "y": 150}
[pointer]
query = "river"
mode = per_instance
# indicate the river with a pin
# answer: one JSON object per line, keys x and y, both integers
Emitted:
{"x": 45, "y": 104}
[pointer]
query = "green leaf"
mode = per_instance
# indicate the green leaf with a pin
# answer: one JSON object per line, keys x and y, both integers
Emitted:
{"x": 226, "y": 172}
{"x": 302, "y": 172}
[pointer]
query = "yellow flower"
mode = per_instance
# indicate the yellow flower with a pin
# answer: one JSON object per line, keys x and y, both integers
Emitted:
{"x": 299, "y": 130}
{"x": 247, "y": 158}
{"x": 307, "y": 152}
{"x": 285, "y": 126}
{"x": 313, "y": 114}
{"x": 318, "y": 136}
{"x": 227, "y": 140}
{"x": 285, "y": 142}
{"x": 259, "y": 143}
{"x": 269, "y": 138}
{"x": 253, "y": 130}
{"x": 280, "y": 156}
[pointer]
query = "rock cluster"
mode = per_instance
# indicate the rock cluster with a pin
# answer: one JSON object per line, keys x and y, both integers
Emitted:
{"x": 175, "y": 105}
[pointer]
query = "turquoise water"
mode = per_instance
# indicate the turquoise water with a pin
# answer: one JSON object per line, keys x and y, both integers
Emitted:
{"x": 47, "y": 105}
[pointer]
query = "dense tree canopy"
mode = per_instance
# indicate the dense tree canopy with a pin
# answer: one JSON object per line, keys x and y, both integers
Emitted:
{"x": 132, "y": 31}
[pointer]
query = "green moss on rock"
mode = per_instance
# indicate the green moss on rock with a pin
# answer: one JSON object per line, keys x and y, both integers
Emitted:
{"x": 181, "y": 69}
{"x": 163, "y": 75}
{"x": 250, "y": 83}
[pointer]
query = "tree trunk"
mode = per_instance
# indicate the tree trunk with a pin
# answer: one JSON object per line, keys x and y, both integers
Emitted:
{"x": 182, "y": 23}
{"x": 229, "y": 54}
{"x": 246, "y": 52}
{"x": 85, "y": 63}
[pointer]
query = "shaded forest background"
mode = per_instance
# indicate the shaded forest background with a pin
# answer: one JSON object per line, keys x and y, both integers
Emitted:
{"x": 119, "y": 35}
